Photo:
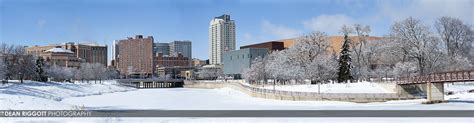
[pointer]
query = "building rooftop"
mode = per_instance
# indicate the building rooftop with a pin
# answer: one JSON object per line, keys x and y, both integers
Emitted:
{"x": 59, "y": 50}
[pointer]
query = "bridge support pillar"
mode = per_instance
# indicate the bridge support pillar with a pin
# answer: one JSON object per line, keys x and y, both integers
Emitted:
{"x": 435, "y": 91}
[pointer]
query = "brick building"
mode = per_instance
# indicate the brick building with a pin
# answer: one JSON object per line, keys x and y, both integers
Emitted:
{"x": 171, "y": 61}
{"x": 61, "y": 57}
{"x": 135, "y": 56}
{"x": 271, "y": 46}
{"x": 91, "y": 53}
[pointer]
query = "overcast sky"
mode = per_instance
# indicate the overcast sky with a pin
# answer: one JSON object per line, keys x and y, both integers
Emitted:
{"x": 42, "y": 22}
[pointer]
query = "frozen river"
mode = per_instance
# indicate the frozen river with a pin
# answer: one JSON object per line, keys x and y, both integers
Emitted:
{"x": 229, "y": 99}
{"x": 65, "y": 96}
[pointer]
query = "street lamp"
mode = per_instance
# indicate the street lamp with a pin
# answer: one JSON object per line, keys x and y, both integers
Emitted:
{"x": 21, "y": 77}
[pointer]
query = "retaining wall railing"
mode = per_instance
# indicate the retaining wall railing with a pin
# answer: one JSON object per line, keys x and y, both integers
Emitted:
{"x": 294, "y": 95}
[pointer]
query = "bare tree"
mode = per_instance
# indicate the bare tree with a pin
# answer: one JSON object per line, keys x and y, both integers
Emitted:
{"x": 210, "y": 73}
{"x": 58, "y": 73}
{"x": 458, "y": 40}
{"x": 358, "y": 45}
{"x": 309, "y": 59}
{"x": 415, "y": 42}
{"x": 308, "y": 52}
{"x": 112, "y": 73}
{"x": 456, "y": 35}
{"x": 19, "y": 64}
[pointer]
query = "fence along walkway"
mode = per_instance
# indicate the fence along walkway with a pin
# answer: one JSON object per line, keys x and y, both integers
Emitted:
{"x": 293, "y": 95}
{"x": 453, "y": 76}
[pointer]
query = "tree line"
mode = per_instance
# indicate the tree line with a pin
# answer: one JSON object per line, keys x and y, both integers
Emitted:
{"x": 411, "y": 48}
{"x": 15, "y": 63}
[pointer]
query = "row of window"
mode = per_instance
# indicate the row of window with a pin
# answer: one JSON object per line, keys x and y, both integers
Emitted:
{"x": 248, "y": 56}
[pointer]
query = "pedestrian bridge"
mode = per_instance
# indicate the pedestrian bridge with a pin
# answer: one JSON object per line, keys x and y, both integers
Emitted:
{"x": 151, "y": 83}
{"x": 432, "y": 84}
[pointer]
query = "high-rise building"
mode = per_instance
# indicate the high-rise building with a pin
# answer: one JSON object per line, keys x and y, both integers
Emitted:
{"x": 135, "y": 56}
{"x": 221, "y": 37}
{"x": 181, "y": 47}
{"x": 91, "y": 53}
{"x": 163, "y": 48}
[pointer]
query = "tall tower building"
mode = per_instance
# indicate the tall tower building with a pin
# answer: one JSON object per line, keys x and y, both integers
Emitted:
{"x": 221, "y": 37}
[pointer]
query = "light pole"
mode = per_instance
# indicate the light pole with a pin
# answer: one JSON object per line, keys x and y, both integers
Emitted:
{"x": 21, "y": 77}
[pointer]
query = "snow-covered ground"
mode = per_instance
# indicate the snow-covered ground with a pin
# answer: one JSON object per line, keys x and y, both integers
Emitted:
{"x": 460, "y": 91}
{"x": 48, "y": 95}
{"x": 360, "y": 87}
{"x": 36, "y": 95}
{"x": 109, "y": 95}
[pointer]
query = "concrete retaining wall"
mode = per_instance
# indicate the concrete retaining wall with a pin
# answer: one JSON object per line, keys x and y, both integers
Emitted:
{"x": 388, "y": 86}
{"x": 301, "y": 96}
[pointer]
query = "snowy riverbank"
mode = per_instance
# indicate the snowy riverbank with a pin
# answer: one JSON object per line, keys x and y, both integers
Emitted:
{"x": 109, "y": 95}
{"x": 36, "y": 95}
{"x": 48, "y": 95}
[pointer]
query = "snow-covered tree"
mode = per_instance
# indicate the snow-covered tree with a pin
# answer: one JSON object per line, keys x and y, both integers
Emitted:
{"x": 112, "y": 73}
{"x": 277, "y": 67}
{"x": 308, "y": 59}
{"x": 210, "y": 73}
{"x": 308, "y": 53}
{"x": 324, "y": 69}
{"x": 405, "y": 69}
{"x": 416, "y": 43}
{"x": 456, "y": 35}
{"x": 58, "y": 73}
{"x": 99, "y": 72}
{"x": 344, "y": 73}
{"x": 358, "y": 50}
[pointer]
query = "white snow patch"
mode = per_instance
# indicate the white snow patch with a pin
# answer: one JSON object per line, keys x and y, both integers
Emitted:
{"x": 359, "y": 87}
{"x": 47, "y": 95}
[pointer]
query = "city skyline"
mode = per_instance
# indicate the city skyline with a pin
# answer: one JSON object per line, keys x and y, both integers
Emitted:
{"x": 52, "y": 22}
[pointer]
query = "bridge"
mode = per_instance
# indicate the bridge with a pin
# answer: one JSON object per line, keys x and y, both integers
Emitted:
{"x": 152, "y": 83}
{"x": 432, "y": 84}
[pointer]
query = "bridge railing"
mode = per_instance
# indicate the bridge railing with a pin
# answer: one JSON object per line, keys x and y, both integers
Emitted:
{"x": 452, "y": 76}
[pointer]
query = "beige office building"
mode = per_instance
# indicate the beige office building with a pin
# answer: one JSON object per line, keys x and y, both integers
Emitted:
{"x": 91, "y": 53}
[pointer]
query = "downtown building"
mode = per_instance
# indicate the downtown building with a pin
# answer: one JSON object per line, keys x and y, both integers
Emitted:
{"x": 172, "y": 58}
{"x": 171, "y": 65}
{"x": 221, "y": 38}
{"x": 235, "y": 62}
{"x": 134, "y": 56}
{"x": 174, "y": 49}
{"x": 181, "y": 47}
{"x": 87, "y": 53}
{"x": 163, "y": 48}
